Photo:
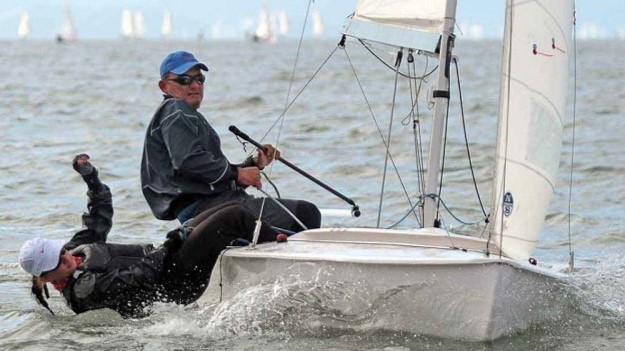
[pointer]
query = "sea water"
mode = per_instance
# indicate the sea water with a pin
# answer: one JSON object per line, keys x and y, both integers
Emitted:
{"x": 97, "y": 97}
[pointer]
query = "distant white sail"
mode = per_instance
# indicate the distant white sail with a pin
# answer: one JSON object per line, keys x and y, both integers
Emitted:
{"x": 138, "y": 25}
{"x": 68, "y": 29}
{"x": 216, "y": 30}
{"x": 166, "y": 28}
{"x": 264, "y": 31}
{"x": 23, "y": 30}
{"x": 318, "y": 25}
{"x": 532, "y": 107}
{"x": 283, "y": 23}
{"x": 127, "y": 28}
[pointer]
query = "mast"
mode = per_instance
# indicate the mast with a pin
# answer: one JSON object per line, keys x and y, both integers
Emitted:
{"x": 440, "y": 96}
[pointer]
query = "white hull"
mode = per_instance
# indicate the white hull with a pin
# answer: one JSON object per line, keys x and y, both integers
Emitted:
{"x": 400, "y": 281}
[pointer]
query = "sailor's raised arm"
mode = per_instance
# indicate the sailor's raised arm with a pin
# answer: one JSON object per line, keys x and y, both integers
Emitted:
{"x": 99, "y": 218}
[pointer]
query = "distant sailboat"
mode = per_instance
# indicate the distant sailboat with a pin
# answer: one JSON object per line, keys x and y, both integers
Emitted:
{"x": 167, "y": 26}
{"x": 127, "y": 28}
{"x": 283, "y": 23}
{"x": 318, "y": 26}
{"x": 263, "y": 31}
{"x": 23, "y": 31}
{"x": 68, "y": 29}
{"x": 138, "y": 25}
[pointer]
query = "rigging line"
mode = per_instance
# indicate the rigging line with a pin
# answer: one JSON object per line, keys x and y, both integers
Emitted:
{"x": 275, "y": 188}
{"x": 416, "y": 131}
{"x": 375, "y": 121}
{"x": 420, "y": 149}
{"x": 571, "y": 253}
{"x": 451, "y": 213}
{"x": 390, "y": 67}
{"x": 458, "y": 218}
{"x": 390, "y": 131}
{"x": 298, "y": 94}
{"x": 288, "y": 94}
{"x": 411, "y": 62}
{"x": 420, "y": 202}
{"x": 416, "y": 137}
{"x": 466, "y": 139}
{"x": 421, "y": 153}
{"x": 299, "y": 47}
{"x": 415, "y": 104}
{"x": 282, "y": 206}
{"x": 286, "y": 102}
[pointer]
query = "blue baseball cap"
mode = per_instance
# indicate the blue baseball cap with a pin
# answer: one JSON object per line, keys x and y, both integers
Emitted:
{"x": 178, "y": 62}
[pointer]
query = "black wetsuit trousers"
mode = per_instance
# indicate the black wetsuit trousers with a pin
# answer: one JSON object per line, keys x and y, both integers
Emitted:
{"x": 189, "y": 269}
{"x": 305, "y": 211}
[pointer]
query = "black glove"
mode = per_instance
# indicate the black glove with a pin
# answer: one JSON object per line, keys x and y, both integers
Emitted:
{"x": 174, "y": 240}
{"x": 88, "y": 172}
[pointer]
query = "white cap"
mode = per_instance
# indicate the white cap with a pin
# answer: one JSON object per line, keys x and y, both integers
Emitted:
{"x": 40, "y": 255}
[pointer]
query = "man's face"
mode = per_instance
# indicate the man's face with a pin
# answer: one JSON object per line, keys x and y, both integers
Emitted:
{"x": 192, "y": 93}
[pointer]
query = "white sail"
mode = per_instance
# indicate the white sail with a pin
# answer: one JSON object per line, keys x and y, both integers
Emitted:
{"x": 167, "y": 26}
{"x": 318, "y": 26}
{"x": 68, "y": 30}
{"x": 412, "y": 24}
{"x": 535, "y": 73}
{"x": 23, "y": 30}
{"x": 283, "y": 23}
{"x": 127, "y": 28}
{"x": 138, "y": 24}
{"x": 264, "y": 31}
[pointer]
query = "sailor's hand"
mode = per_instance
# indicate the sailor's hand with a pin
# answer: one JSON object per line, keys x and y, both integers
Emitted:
{"x": 249, "y": 176}
{"x": 95, "y": 255}
{"x": 266, "y": 155}
{"x": 175, "y": 239}
{"x": 82, "y": 165}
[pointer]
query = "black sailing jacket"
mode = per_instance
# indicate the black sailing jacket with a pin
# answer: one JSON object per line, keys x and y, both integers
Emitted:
{"x": 182, "y": 156}
{"x": 124, "y": 278}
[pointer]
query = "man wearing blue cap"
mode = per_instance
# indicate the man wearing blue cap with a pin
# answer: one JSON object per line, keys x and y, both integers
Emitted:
{"x": 183, "y": 169}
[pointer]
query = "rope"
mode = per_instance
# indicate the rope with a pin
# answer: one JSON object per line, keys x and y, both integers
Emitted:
{"x": 298, "y": 94}
{"x": 393, "y": 69}
{"x": 390, "y": 130}
{"x": 451, "y": 213}
{"x": 286, "y": 106}
{"x": 416, "y": 125}
{"x": 466, "y": 140}
{"x": 362, "y": 90}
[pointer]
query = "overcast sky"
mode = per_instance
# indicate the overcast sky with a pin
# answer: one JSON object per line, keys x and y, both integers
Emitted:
{"x": 101, "y": 19}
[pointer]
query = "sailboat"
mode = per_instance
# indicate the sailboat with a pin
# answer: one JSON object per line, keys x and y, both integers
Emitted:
{"x": 167, "y": 26}
{"x": 23, "y": 30}
{"x": 429, "y": 280}
{"x": 138, "y": 24}
{"x": 318, "y": 26}
{"x": 264, "y": 30}
{"x": 127, "y": 27}
{"x": 68, "y": 29}
{"x": 283, "y": 23}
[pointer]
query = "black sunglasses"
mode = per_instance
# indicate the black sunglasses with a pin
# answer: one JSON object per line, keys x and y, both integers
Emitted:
{"x": 187, "y": 80}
